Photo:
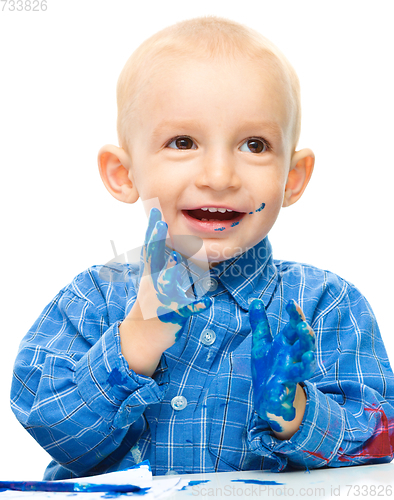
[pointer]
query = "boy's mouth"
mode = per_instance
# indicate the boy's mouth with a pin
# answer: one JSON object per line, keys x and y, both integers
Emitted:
{"x": 213, "y": 216}
{"x": 212, "y": 220}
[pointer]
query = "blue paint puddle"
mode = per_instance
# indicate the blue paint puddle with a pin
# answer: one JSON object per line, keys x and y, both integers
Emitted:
{"x": 256, "y": 481}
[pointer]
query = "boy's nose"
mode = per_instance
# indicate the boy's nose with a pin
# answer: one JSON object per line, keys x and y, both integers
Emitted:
{"x": 218, "y": 171}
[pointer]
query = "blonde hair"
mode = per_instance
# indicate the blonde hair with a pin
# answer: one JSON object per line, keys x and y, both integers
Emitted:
{"x": 208, "y": 37}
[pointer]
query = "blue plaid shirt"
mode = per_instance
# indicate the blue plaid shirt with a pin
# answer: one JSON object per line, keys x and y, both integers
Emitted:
{"x": 74, "y": 393}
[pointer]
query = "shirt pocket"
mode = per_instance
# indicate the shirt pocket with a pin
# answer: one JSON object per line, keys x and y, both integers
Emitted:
{"x": 229, "y": 406}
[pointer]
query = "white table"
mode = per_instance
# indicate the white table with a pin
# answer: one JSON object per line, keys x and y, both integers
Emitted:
{"x": 366, "y": 481}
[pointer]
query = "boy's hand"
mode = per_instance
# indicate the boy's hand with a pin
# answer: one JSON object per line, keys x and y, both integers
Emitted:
{"x": 279, "y": 363}
{"x": 161, "y": 282}
{"x": 162, "y": 307}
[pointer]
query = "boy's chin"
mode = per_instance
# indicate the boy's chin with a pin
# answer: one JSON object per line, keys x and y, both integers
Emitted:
{"x": 203, "y": 254}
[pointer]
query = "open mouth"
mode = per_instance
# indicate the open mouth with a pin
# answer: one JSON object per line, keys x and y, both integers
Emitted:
{"x": 207, "y": 216}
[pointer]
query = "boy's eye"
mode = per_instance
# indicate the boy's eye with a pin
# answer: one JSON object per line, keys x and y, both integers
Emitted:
{"x": 182, "y": 142}
{"x": 254, "y": 146}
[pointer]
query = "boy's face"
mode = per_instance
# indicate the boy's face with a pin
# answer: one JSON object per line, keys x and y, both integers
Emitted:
{"x": 213, "y": 135}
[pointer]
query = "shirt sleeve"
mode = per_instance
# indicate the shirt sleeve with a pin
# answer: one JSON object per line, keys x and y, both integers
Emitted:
{"x": 72, "y": 389}
{"x": 349, "y": 416}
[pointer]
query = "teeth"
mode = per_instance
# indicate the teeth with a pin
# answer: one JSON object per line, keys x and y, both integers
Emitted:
{"x": 212, "y": 209}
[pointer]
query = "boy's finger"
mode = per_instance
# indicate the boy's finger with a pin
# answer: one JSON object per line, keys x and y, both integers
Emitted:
{"x": 155, "y": 249}
{"x": 154, "y": 216}
{"x": 297, "y": 317}
{"x": 257, "y": 315}
{"x": 168, "y": 283}
{"x": 306, "y": 336}
{"x": 261, "y": 331}
{"x": 196, "y": 307}
{"x": 295, "y": 313}
{"x": 309, "y": 361}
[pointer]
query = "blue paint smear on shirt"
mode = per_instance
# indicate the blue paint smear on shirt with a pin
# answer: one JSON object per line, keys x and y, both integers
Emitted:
{"x": 256, "y": 481}
{"x": 115, "y": 378}
{"x": 200, "y": 481}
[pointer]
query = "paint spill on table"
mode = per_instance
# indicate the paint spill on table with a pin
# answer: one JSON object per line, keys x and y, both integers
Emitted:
{"x": 68, "y": 487}
{"x": 257, "y": 481}
{"x": 196, "y": 482}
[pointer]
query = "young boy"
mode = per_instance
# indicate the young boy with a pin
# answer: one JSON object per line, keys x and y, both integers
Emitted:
{"x": 247, "y": 363}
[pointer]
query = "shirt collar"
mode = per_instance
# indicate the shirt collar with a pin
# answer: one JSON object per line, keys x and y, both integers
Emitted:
{"x": 246, "y": 277}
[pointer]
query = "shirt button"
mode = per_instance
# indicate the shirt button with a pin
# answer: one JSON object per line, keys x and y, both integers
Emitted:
{"x": 208, "y": 337}
{"x": 178, "y": 402}
{"x": 210, "y": 284}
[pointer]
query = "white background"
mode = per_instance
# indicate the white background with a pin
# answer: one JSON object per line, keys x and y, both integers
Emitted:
{"x": 58, "y": 74}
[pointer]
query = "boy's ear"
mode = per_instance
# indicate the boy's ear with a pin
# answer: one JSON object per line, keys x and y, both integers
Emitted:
{"x": 301, "y": 168}
{"x": 115, "y": 171}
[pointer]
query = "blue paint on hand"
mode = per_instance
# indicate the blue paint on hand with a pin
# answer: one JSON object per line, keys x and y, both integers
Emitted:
{"x": 279, "y": 363}
{"x": 177, "y": 307}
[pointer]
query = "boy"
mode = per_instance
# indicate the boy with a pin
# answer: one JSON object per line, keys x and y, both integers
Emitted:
{"x": 187, "y": 373}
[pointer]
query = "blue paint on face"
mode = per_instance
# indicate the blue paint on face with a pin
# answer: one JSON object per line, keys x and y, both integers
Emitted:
{"x": 256, "y": 481}
{"x": 279, "y": 363}
{"x": 166, "y": 277}
{"x": 261, "y": 207}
